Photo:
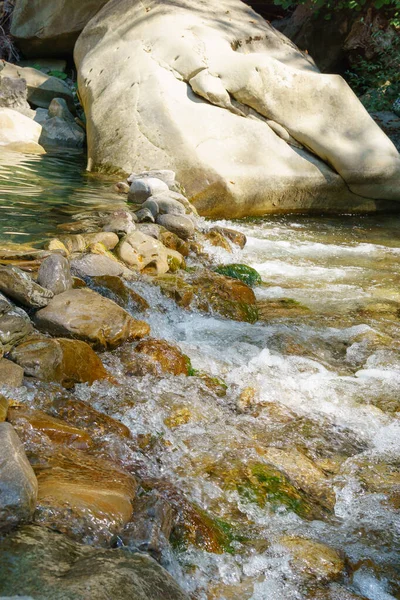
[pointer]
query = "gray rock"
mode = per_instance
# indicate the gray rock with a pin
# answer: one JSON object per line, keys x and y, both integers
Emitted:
{"x": 18, "y": 483}
{"x": 92, "y": 265}
{"x": 179, "y": 198}
{"x": 14, "y": 94}
{"x": 17, "y": 285}
{"x": 41, "y": 115}
{"x": 150, "y": 229}
{"x": 165, "y": 175}
{"x": 11, "y": 374}
{"x": 143, "y": 188}
{"x": 167, "y": 205}
{"x": 152, "y": 206}
{"x": 144, "y": 215}
{"x": 182, "y": 225}
{"x": 59, "y": 132}
{"x": 50, "y": 566}
{"x": 42, "y": 88}
{"x": 5, "y": 305}
{"x": 55, "y": 274}
{"x": 14, "y": 327}
{"x": 59, "y": 108}
{"x": 152, "y": 526}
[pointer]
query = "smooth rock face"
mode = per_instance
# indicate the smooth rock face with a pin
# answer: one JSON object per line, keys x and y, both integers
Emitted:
{"x": 92, "y": 265}
{"x": 18, "y": 484}
{"x": 20, "y": 287}
{"x": 16, "y": 128}
{"x": 45, "y": 28}
{"x": 85, "y": 315}
{"x": 165, "y": 175}
{"x": 50, "y": 566}
{"x": 10, "y": 374}
{"x": 141, "y": 251}
{"x": 55, "y": 274}
{"x": 62, "y": 360}
{"x": 143, "y": 188}
{"x": 204, "y": 114}
{"x": 181, "y": 225}
{"x": 42, "y": 88}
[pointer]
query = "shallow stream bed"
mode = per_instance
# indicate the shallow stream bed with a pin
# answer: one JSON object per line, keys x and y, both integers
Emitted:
{"x": 314, "y": 388}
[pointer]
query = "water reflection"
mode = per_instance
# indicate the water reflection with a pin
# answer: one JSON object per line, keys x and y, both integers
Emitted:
{"x": 39, "y": 192}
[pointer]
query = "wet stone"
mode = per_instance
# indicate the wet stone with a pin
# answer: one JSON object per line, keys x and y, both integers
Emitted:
{"x": 82, "y": 242}
{"x": 167, "y": 355}
{"x": 3, "y": 408}
{"x": 121, "y": 292}
{"x": 180, "y": 224}
{"x": 313, "y": 559}
{"x": 55, "y": 274}
{"x": 11, "y": 374}
{"x": 14, "y": 327}
{"x": 17, "y": 285}
{"x": 85, "y": 315}
{"x": 50, "y": 566}
{"x": 85, "y": 496}
{"x": 93, "y": 265}
{"x": 144, "y": 187}
{"x": 56, "y": 430}
{"x": 234, "y": 236}
{"x": 61, "y": 360}
{"x": 18, "y": 484}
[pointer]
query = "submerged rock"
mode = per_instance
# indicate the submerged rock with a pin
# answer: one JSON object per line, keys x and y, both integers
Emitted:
{"x": 87, "y": 497}
{"x": 122, "y": 294}
{"x": 314, "y": 559}
{"x": 87, "y": 316}
{"x": 18, "y": 484}
{"x": 164, "y": 357}
{"x": 65, "y": 361}
{"x": 17, "y": 285}
{"x": 50, "y": 566}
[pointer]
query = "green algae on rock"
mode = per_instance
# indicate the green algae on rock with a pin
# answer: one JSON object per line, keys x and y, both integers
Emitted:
{"x": 244, "y": 273}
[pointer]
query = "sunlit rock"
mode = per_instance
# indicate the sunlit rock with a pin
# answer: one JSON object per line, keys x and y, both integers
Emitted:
{"x": 314, "y": 559}
{"x": 11, "y": 374}
{"x": 65, "y": 361}
{"x": 85, "y": 315}
{"x": 19, "y": 133}
{"x": 17, "y": 285}
{"x": 244, "y": 118}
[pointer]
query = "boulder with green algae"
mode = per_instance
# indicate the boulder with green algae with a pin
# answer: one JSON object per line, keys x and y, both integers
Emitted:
{"x": 211, "y": 292}
{"x": 50, "y": 566}
{"x": 244, "y": 273}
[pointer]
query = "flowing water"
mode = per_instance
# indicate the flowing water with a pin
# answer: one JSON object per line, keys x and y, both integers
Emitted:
{"x": 316, "y": 391}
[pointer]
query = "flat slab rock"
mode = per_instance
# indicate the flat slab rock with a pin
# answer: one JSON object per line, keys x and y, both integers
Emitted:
{"x": 49, "y": 566}
{"x": 83, "y": 314}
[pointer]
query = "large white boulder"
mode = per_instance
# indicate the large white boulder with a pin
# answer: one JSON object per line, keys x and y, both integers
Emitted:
{"x": 248, "y": 123}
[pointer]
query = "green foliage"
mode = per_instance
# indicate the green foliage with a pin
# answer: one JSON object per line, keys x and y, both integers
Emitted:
{"x": 330, "y": 6}
{"x": 58, "y": 74}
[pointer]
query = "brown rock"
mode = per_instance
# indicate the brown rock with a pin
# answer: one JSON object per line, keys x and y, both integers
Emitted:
{"x": 174, "y": 242}
{"x": 86, "y": 497}
{"x": 10, "y": 374}
{"x": 281, "y": 308}
{"x": 168, "y": 356}
{"x": 86, "y": 315}
{"x": 56, "y": 430}
{"x": 124, "y": 295}
{"x": 3, "y": 408}
{"x": 17, "y": 285}
{"x": 314, "y": 559}
{"x": 217, "y": 238}
{"x": 80, "y": 414}
{"x": 237, "y": 238}
{"x": 62, "y": 360}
